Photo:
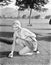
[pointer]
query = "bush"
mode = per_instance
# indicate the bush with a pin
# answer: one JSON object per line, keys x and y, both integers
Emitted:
{"x": 47, "y": 17}
{"x": 37, "y": 17}
{"x": 24, "y": 16}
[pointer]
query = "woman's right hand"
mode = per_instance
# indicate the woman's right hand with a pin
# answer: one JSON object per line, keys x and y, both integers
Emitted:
{"x": 10, "y": 55}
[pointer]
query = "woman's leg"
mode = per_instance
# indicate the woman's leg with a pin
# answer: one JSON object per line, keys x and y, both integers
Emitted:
{"x": 27, "y": 47}
{"x": 20, "y": 42}
{"x": 25, "y": 51}
{"x": 35, "y": 45}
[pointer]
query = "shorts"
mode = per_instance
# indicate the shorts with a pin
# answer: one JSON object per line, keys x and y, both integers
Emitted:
{"x": 25, "y": 42}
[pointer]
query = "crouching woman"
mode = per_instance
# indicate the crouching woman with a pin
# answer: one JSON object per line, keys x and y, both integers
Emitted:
{"x": 24, "y": 38}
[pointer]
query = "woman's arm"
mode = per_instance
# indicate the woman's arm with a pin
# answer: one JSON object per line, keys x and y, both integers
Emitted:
{"x": 13, "y": 45}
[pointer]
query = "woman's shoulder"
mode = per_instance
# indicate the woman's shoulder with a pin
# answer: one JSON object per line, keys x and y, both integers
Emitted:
{"x": 15, "y": 33}
{"x": 25, "y": 29}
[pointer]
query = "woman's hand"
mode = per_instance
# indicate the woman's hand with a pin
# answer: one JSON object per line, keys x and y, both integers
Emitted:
{"x": 10, "y": 55}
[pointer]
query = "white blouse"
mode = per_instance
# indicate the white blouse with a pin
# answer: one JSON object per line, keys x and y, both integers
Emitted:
{"x": 25, "y": 33}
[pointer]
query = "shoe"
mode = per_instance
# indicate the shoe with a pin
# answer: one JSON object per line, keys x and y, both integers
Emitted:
{"x": 18, "y": 54}
{"x": 37, "y": 51}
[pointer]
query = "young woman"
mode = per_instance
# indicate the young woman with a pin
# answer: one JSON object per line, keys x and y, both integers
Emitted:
{"x": 25, "y": 38}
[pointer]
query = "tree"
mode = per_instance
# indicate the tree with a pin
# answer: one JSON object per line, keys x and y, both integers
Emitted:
{"x": 1, "y": 0}
{"x": 27, "y": 4}
{"x": 5, "y": 2}
{"x": 31, "y": 4}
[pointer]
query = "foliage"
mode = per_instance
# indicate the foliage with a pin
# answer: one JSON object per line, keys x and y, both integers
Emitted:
{"x": 37, "y": 17}
{"x": 47, "y": 16}
{"x": 33, "y": 4}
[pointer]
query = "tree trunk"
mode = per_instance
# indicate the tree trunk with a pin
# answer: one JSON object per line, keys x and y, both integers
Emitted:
{"x": 30, "y": 18}
{"x": 18, "y": 13}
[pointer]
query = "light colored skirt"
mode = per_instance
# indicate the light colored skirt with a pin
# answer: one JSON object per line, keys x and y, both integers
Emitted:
{"x": 25, "y": 42}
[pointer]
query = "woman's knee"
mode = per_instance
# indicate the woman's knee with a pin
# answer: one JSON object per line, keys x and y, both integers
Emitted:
{"x": 24, "y": 51}
{"x": 21, "y": 53}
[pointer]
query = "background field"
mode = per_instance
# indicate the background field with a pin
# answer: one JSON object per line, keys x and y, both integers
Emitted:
{"x": 40, "y": 27}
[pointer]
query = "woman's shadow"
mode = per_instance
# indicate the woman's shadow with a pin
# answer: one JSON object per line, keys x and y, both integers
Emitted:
{"x": 6, "y": 54}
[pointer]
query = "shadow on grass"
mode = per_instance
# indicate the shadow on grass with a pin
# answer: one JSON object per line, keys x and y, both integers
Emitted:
{"x": 6, "y": 34}
{"x": 6, "y": 53}
{"x": 7, "y": 37}
{"x": 6, "y": 41}
{"x": 44, "y": 38}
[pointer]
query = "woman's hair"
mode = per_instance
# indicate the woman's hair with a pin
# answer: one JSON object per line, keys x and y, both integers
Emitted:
{"x": 16, "y": 23}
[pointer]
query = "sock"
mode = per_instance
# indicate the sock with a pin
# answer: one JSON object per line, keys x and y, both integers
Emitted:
{"x": 36, "y": 50}
{"x": 18, "y": 53}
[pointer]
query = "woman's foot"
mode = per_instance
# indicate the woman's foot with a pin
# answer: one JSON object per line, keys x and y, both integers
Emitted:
{"x": 36, "y": 51}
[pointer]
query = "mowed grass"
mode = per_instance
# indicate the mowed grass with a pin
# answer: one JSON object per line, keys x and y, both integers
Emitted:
{"x": 36, "y": 59}
{"x": 43, "y": 31}
{"x": 37, "y": 25}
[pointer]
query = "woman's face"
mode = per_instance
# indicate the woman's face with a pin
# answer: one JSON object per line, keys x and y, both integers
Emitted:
{"x": 16, "y": 28}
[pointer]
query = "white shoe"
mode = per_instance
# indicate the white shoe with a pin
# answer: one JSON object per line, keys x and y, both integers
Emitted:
{"x": 37, "y": 52}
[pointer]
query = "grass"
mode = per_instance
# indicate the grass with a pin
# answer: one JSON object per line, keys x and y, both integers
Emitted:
{"x": 36, "y": 59}
{"x": 43, "y": 31}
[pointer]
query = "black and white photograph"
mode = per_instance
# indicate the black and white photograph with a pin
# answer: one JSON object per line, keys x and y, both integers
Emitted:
{"x": 25, "y": 32}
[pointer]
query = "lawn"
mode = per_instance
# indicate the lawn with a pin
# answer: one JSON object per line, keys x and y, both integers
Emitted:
{"x": 40, "y": 27}
{"x": 42, "y": 30}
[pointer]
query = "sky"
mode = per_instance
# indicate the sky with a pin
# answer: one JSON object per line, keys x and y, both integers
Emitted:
{"x": 43, "y": 14}
{"x": 48, "y": 5}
